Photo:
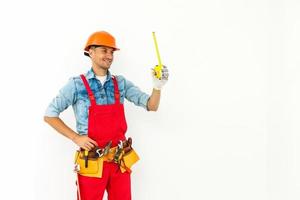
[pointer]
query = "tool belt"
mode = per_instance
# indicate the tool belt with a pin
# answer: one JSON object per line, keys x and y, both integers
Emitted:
{"x": 90, "y": 163}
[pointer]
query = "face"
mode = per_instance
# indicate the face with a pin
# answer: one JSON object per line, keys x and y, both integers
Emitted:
{"x": 102, "y": 57}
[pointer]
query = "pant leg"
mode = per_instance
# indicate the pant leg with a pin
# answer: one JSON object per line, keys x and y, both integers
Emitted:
{"x": 119, "y": 184}
{"x": 92, "y": 188}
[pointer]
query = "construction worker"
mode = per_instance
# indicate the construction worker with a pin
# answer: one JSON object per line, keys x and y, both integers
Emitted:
{"x": 97, "y": 98}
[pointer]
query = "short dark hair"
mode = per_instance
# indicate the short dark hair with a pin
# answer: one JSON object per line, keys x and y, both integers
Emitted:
{"x": 94, "y": 46}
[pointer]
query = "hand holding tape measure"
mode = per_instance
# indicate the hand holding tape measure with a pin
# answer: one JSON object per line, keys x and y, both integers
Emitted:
{"x": 160, "y": 73}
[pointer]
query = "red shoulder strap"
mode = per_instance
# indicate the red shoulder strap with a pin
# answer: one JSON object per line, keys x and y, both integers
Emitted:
{"x": 90, "y": 92}
{"x": 116, "y": 90}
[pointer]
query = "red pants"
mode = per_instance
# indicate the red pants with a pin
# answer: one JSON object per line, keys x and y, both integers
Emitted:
{"x": 113, "y": 180}
{"x": 106, "y": 123}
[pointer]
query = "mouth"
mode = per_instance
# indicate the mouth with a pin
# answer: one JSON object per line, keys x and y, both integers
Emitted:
{"x": 108, "y": 61}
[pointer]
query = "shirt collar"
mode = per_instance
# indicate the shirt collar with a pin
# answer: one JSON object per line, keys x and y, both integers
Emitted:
{"x": 90, "y": 74}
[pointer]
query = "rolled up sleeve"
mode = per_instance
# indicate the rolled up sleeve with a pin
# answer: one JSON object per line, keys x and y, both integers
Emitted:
{"x": 65, "y": 98}
{"x": 135, "y": 95}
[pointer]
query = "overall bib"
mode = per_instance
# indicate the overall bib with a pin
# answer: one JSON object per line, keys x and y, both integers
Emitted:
{"x": 105, "y": 123}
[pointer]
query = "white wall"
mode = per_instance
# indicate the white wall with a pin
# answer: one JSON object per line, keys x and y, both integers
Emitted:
{"x": 227, "y": 127}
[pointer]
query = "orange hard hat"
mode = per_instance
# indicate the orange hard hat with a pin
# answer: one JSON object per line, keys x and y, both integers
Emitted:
{"x": 100, "y": 38}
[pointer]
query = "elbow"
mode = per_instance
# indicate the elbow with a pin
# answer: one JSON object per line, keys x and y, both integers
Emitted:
{"x": 46, "y": 119}
{"x": 152, "y": 105}
{"x": 152, "y": 108}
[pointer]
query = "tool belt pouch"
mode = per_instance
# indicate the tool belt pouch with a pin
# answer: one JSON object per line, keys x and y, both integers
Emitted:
{"x": 130, "y": 158}
{"x": 94, "y": 168}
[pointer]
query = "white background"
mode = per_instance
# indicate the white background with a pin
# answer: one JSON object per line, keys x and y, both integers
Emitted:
{"x": 228, "y": 124}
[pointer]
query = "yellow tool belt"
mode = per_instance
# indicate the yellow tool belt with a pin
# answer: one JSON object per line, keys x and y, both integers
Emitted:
{"x": 91, "y": 165}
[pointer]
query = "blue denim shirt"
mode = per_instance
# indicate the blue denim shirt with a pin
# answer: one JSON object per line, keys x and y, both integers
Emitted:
{"x": 75, "y": 94}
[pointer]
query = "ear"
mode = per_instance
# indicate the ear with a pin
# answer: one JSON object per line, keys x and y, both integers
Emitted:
{"x": 91, "y": 52}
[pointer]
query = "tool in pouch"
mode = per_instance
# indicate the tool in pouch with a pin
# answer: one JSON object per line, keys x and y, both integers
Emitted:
{"x": 90, "y": 163}
{"x": 158, "y": 68}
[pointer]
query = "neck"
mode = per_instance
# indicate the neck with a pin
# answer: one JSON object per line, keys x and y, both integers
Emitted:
{"x": 99, "y": 71}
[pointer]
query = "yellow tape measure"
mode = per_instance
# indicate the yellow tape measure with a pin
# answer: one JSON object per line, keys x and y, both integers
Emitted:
{"x": 157, "y": 68}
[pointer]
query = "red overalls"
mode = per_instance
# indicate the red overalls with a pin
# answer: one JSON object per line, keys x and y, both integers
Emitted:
{"x": 106, "y": 123}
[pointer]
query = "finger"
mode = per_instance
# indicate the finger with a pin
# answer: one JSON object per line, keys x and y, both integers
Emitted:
{"x": 165, "y": 70}
{"x": 87, "y": 147}
{"x": 84, "y": 147}
{"x": 93, "y": 142}
{"x": 152, "y": 72}
{"x": 165, "y": 75}
{"x": 90, "y": 145}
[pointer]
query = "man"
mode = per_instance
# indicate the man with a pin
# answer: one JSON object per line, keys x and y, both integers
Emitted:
{"x": 97, "y": 99}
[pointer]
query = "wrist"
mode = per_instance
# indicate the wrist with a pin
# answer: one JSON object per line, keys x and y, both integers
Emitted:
{"x": 156, "y": 88}
{"x": 74, "y": 137}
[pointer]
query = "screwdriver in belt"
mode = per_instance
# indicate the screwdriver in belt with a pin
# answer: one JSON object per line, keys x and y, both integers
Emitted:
{"x": 86, "y": 153}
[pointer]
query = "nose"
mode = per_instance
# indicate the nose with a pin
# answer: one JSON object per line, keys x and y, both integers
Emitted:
{"x": 109, "y": 55}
